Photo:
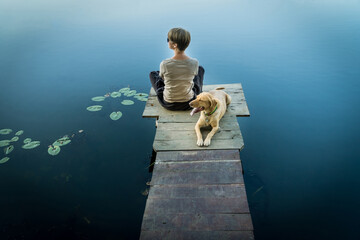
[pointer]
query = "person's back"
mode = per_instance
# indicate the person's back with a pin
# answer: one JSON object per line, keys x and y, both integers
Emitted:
{"x": 180, "y": 78}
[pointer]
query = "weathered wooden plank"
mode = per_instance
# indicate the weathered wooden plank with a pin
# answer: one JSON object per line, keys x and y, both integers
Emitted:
{"x": 236, "y": 96}
{"x": 196, "y": 235}
{"x": 177, "y": 145}
{"x": 198, "y": 178}
{"x": 197, "y": 155}
{"x": 181, "y": 117}
{"x": 196, "y": 205}
{"x": 190, "y": 135}
{"x": 197, "y": 191}
{"x": 198, "y": 173}
{"x": 154, "y": 110}
{"x": 198, "y": 222}
{"x": 228, "y": 87}
{"x": 225, "y": 124}
{"x": 239, "y": 109}
{"x": 238, "y": 106}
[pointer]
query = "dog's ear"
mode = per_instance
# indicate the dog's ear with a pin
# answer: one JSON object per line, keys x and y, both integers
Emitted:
{"x": 212, "y": 101}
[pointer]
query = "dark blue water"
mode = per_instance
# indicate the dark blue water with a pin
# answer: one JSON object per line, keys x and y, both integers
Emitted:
{"x": 298, "y": 62}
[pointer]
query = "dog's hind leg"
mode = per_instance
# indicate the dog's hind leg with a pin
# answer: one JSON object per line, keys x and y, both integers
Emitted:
{"x": 228, "y": 99}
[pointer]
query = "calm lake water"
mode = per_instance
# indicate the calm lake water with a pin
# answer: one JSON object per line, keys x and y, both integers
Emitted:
{"x": 298, "y": 62}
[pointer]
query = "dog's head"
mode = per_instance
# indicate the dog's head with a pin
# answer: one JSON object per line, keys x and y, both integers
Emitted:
{"x": 204, "y": 101}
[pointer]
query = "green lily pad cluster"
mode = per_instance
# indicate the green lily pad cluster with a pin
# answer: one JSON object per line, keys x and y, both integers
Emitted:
{"x": 28, "y": 143}
{"x": 127, "y": 92}
{"x": 54, "y": 149}
{"x": 141, "y": 96}
{"x": 31, "y": 145}
{"x": 7, "y": 143}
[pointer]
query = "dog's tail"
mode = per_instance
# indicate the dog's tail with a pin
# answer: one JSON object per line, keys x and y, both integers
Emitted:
{"x": 219, "y": 88}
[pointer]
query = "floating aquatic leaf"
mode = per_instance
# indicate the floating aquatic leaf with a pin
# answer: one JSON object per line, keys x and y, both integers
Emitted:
{"x": 115, "y": 115}
{"x": 31, "y": 145}
{"x": 27, "y": 140}
{"x": 94, "y": 108}
{"x": 62, "y": 141}
{"x": 141, "y": 95}
{"x": 98, "y": 99}
{"x": 144, "y": 99}
{"x": 14, "y": 139}
{"x": 130, "y": 93}
{"x": 4, "y": 160}
{"x": 18, "y": 133}
{"x": 115, "y": 94}
{"x": 5, "y": 131}
{"x": 4, "y": 143}
{"x": 127, "y": 102}
{"x": 54, "y": 150}
{"x": 124, "y": 90}
{"x": 8, "y": 149}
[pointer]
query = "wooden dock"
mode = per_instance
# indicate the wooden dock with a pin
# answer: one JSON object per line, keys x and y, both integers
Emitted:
{"x": 197, "y": 192}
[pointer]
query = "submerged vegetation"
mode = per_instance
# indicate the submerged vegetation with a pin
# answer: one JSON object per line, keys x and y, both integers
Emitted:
{"x": 55, "y": 147}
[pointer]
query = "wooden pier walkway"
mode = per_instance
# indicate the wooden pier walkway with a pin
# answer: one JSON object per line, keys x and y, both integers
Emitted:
{"x": 197, "y": 192}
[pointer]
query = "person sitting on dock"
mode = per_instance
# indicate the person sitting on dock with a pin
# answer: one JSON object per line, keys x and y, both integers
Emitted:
{"x": 180, "y": 78}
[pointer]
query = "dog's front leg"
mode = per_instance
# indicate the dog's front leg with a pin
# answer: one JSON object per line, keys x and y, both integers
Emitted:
{"x": 200, "y": 141}
{"x": 215, "y": 127}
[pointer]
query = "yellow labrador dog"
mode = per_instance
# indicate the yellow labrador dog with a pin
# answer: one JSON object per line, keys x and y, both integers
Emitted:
{"x": 213, "y": 106}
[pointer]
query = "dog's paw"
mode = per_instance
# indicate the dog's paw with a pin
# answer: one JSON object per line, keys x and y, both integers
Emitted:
{"x": 200, "y": 142}
{"x": 207, "y": 142}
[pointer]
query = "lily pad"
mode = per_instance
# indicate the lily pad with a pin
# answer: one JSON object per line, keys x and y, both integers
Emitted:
{"x": 4, "y": 143}
{"x": 62, "y": 141}
{"x": 124, "y": 90}
{"x": 115, "y": 115}
{"x": 143, "y": 99}
{"x": 127, "y": 102}
{"x": 8, "y": 149}
{"x": 98, "y": 99}
{"x": 27, "y": 140}
{"x": 14, "y": 139}
{"x": 115, "y": 94}
{"x": 31, "y": 145}
{"x": 141, "y": 95}
{"x": 130, "y": 93}
{"x": 4, "y": 160}
{"x": 5, "y": 131}
{"x": 18, "y": 133}
{"x": 94, "y": 108}
{"x": 54, "y": 150}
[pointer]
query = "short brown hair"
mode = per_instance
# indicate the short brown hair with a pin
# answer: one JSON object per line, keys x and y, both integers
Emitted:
{"x": 179, "y": 36}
